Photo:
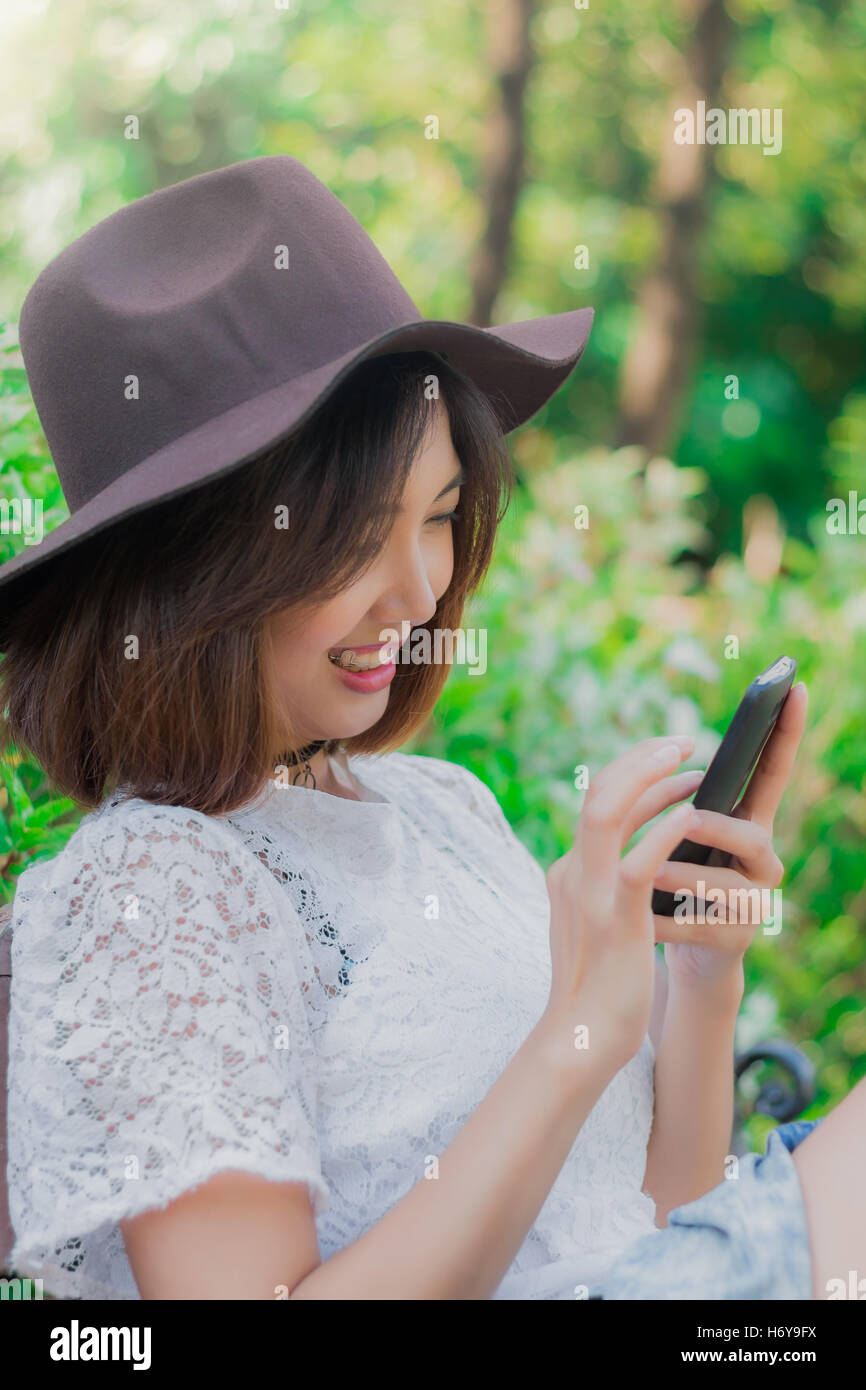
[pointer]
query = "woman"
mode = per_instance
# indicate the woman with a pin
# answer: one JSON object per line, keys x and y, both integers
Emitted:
{"x": 295, "y": 1014}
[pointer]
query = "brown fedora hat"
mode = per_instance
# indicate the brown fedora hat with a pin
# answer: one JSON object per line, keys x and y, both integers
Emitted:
{"x": 201, "y": 324}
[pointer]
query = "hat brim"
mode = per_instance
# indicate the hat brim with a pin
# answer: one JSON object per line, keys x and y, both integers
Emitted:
{"x": 519, "y": 367}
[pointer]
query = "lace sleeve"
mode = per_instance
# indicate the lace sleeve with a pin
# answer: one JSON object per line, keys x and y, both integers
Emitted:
{"x": 158, "y": 1032}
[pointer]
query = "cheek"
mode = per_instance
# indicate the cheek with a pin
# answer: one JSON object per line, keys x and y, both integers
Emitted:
{"x": 293, "y": 647}
{"x": 442, "y": 567}
{"x": 299, "y": 642}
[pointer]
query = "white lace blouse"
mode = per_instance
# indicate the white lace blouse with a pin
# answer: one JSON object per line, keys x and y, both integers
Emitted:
{"x": 313, "y": 989}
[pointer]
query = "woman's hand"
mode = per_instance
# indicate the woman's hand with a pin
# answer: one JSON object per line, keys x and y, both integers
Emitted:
{"x": 601, "y": 920}
{"x": 710, "y": 954}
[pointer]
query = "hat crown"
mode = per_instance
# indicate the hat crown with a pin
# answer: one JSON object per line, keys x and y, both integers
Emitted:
{"x": 190, "y": 301}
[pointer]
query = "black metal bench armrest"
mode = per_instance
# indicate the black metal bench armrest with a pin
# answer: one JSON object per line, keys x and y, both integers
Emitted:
{"x": 782, "y": 1102}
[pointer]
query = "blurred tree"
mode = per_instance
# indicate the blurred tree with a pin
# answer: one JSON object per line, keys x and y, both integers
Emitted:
{"x": 508, "y": 59}
{"x": 661, "y": 352}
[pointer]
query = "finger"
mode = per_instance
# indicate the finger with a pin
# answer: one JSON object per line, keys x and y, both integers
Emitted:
{"x": 611, "y": 795}
{"x": 725, "y": 936}
{"x": 741, "y": 896}
{"x": 658, "y": 797}
{"x": 746, "y": 839}
{"x": 764, "y": 792}
{"x": 639, "y": 867}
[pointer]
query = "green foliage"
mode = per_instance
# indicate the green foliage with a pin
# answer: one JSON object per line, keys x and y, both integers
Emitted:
{"x": 35, "y": 824}
{"x": 27, "y": 469}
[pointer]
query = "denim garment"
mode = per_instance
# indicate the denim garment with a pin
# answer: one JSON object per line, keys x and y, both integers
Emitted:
{"x": 746, "y": 1239}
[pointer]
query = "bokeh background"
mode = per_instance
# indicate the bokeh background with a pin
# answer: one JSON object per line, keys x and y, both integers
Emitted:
{"x": 514, "y": 159}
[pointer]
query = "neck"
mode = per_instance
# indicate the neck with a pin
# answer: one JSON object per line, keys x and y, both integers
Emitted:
{"x": 331, "y": 773}
{"x": 320, "y": 766}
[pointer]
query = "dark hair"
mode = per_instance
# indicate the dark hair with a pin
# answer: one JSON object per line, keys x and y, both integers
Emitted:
{"x": 195, "y": 720}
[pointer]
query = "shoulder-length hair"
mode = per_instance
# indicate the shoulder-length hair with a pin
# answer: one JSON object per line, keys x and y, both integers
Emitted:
{"x": 142, "y": 661}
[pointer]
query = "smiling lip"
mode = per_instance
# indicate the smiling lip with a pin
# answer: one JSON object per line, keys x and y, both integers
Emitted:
{"x": 344, "y": 657}
{"x": 369, "y": 681}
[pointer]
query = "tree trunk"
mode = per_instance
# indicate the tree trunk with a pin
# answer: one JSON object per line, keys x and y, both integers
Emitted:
{"x": 658, "y": 362}
{"x": 509, "y": 57}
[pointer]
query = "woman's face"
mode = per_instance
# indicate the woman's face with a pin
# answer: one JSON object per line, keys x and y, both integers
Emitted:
{"x": 402, "y": 586}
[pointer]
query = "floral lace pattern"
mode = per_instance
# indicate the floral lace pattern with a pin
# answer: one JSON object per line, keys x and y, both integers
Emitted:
{"x": 312, "y": 989}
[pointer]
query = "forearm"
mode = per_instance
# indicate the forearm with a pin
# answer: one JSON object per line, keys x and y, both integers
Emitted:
{"x": 455, "y": 1236}
{"x": 694, "y": 1096}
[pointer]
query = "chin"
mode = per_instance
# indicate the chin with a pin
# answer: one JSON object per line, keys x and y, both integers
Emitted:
{"x": 356, "y": 720}
{"x": 363, "y": 719}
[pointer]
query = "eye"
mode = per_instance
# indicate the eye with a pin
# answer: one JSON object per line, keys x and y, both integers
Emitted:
{"x": 446, "y": 516}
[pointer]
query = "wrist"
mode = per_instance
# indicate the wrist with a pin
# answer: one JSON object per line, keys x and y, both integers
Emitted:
{"x": 723, "y": 991}
{"x": 579, "y": 1052}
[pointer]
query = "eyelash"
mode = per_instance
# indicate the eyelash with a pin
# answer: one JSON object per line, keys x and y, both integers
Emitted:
{"x": 446, "y": 516}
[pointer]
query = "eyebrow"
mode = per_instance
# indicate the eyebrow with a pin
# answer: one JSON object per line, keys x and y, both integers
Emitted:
{"x": 457, "y": 481}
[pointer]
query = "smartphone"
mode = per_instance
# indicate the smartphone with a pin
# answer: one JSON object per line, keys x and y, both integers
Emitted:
{"x": 734, "y": 761}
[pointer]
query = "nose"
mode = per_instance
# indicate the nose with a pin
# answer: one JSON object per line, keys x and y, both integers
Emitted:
{"x": 406, "y": 589}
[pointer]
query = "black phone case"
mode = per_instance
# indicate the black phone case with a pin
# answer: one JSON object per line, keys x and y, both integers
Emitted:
{"x": 735, "y": 759}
